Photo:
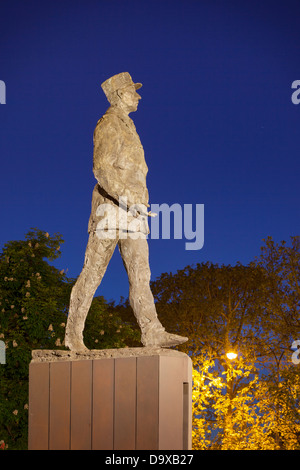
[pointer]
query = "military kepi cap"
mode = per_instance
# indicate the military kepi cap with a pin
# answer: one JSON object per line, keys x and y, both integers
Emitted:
{"x": 121, "y": 80}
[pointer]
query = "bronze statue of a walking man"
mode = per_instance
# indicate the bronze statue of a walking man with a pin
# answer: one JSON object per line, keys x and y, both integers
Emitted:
{"x": 118, "y": 217}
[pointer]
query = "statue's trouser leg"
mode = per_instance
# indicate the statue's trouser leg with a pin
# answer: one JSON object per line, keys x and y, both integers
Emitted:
{"x": 135, "y": 255}
{"x": 97, "y": 256}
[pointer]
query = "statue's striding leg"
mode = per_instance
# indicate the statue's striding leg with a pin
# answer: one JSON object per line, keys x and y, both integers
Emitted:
{"x": 135, "y": 255}
{"x": 97, "y": 256}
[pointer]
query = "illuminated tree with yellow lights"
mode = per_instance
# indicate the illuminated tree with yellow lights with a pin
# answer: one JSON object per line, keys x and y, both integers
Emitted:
{"x": 239, "y": 409}
{"x": 252, "y": 402}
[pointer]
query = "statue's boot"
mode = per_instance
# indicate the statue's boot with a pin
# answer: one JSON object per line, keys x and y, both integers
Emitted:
{"x": 156, "y": 336}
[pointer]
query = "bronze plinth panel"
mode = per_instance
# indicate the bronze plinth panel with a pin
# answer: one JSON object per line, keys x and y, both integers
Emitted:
{"x": 123, "y": 399}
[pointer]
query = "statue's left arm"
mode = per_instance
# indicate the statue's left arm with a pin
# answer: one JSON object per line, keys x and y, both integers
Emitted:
{"x": 116, "y": 166}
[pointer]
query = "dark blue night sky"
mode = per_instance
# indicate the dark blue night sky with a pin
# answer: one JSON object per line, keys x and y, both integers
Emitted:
{"x": 216, "y": 119}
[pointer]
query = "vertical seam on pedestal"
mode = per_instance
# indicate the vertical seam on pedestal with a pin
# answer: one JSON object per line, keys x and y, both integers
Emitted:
{"x": 136, "y": 393}
{"x": 92, "y": 401}
{"x": 70, "y": 437}
{"x": 185, "y": 395}
{"x": 158, "y": 405}
{"x": 114, "y": 400}
{"x": 49, "y": 379}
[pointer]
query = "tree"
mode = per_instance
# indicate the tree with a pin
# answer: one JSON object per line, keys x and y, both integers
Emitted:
{"x": 34, "y": 299}
{"x": 215, "y": 306}
{"x": 279, "y": 319}
{"x": 225, "y": 407}
{"x": 253, "y": 309}
{"x": 125, "y": 313}
{"x": 105, "y": 329}
{"x": 33, "y": 306}
{"x": 240, "y": 408}
{"x": 279, "y": 326}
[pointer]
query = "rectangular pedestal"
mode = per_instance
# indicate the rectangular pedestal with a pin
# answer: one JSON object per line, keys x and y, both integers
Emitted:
{"x": 134, "y": 402}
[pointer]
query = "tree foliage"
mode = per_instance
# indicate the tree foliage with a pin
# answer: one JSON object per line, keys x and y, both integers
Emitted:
{"x": 34, "y": 299}
{"x": 253, "y": 310}
{"x": 105, "y": 329}
{"x": 249, "y": 403}
{"x": 237, "y": 407}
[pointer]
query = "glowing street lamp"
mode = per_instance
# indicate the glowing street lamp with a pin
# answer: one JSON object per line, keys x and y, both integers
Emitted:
{"x": 231, "y": 355}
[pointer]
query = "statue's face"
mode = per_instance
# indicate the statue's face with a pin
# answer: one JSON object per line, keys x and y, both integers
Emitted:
{"x": 129, "y": 98}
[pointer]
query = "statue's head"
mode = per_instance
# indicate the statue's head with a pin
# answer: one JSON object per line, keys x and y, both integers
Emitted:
{"x": 120, "y": 90}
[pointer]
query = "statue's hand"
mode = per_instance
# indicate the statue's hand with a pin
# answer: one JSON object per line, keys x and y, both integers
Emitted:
{"x": 139, "y": 209}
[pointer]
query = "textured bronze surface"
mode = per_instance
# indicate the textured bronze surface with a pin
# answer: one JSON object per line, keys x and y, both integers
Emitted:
{"x": 119, "y": 216}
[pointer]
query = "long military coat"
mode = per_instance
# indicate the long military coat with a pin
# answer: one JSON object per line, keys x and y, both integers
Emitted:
{"x": 120, "y": 169}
